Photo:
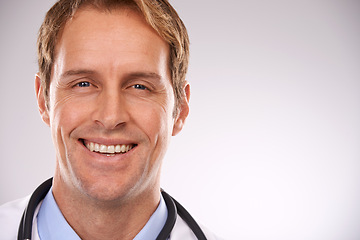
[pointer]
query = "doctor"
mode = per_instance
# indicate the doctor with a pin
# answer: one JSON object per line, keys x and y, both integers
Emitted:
{"x": 111, "y": 87}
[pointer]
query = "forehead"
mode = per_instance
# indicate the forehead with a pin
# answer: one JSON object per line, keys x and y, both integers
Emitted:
{"x": 115, "y": 17}
{"x": 112, "y": 33}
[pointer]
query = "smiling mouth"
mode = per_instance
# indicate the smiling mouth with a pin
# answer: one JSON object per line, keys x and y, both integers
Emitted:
{"x": 108, "y": 149}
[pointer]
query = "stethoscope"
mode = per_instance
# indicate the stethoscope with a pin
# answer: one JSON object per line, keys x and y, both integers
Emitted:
{"x": 174, "y": 208}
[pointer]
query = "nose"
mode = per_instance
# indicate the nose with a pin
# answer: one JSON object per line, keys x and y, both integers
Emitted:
{"x": 111, "y": 109}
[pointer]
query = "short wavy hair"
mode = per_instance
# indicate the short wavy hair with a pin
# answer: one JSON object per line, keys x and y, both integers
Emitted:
{"x": 159, "y": 14}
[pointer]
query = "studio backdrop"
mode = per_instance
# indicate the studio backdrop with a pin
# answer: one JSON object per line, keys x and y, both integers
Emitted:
{"x": 271, "y": 149}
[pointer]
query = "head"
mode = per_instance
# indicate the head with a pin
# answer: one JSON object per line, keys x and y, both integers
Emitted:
{"x": 112, "y": 89}
{"x": 159, "y": 14}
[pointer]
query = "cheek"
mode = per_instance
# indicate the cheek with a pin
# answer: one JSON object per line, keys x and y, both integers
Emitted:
{"x": 156, "y": 122}
{"x": 65, "y": 116}
{"x": 67, "y": 110}
{"x": 155, "y": 118}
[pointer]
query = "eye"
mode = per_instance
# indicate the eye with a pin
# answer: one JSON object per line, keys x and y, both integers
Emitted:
{"x": 83, "y": 84}
{"x": 139, "y": 86}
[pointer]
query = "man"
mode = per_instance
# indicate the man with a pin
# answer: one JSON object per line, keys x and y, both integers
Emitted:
{"x": 111, "y": 87}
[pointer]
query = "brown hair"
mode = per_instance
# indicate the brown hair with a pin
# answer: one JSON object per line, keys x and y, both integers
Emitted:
{"x": 159, "y": 14}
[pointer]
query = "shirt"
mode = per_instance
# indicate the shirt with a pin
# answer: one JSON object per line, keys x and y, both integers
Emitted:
{"x": 53, "y": 226}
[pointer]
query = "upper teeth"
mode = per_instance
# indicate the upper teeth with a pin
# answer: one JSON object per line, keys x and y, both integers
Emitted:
{"x": 120, "y": 148}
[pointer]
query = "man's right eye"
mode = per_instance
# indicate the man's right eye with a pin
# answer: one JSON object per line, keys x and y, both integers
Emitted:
{"x": 83, "y": 84}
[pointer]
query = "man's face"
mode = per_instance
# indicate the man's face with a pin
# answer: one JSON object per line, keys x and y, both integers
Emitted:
{"x": 111, "y": 104}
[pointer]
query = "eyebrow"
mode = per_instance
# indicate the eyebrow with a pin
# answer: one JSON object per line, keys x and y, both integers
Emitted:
{"x": 70, "y": 73}
{"x": 151, "y": 75}
{"x": 145, "y": 75}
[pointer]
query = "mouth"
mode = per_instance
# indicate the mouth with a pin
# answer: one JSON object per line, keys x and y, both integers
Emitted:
{"x": 109, "y": 150}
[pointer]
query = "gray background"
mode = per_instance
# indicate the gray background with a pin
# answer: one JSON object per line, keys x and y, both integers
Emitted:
{"x": 271, "y": 147}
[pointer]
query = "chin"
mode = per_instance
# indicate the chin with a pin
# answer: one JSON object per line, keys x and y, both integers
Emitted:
{"x": 107, "y": 189}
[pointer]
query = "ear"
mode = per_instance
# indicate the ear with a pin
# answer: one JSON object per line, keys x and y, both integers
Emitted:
{"x": 183, "y": 111}
{"x": 44, "y": 113}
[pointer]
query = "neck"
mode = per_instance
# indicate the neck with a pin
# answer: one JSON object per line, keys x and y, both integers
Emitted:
{"x": 94, "y": 219}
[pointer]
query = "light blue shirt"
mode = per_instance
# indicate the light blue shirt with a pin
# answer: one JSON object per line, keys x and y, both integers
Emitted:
{"x": 53, "y": 226}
